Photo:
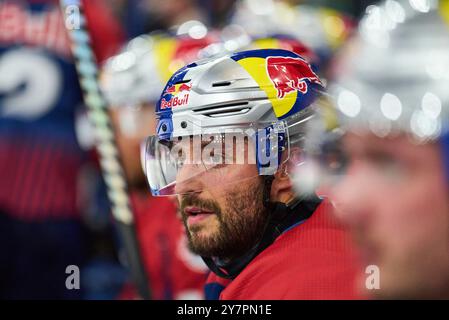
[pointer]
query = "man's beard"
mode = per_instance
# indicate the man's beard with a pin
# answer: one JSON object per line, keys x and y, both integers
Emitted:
{"x": 240, "y": 226}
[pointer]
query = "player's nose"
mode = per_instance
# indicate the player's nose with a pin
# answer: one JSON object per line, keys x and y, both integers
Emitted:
{"x": 188, "y": 179}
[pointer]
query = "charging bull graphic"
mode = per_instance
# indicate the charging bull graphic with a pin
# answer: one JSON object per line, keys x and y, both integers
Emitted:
{"x": 290, "y": 74}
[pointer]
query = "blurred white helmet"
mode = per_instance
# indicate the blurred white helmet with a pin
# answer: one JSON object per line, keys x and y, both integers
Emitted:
{"x": 393, "y": 78}
{"x": 138, "y": 74}
{"x": 322, "y": 29}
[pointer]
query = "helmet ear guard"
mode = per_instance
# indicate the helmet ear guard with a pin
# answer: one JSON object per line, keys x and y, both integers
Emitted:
{"x": 270, "y": 143}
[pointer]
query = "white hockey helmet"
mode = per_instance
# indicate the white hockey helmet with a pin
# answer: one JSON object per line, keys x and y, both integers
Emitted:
{"x": 244, "y": 108}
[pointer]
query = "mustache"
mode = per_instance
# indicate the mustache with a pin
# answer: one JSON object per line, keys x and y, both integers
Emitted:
{"x": 194, "y": 200}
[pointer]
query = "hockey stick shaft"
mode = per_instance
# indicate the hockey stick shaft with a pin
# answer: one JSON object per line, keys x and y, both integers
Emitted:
{"x": 110, "y": 163}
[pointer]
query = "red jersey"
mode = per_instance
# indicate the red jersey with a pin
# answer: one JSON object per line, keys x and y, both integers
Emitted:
{"x": 311, "y": 260}
{"x": 173, "y": 271}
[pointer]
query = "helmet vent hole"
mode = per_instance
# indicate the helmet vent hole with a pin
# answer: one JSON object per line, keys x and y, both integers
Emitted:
{"x": 221, "y": 84}
{"x": 225, "y": 109}
{"x": 182, "y": 81}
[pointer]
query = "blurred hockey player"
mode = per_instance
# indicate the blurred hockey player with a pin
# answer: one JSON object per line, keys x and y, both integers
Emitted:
{"x": 386, "y": 164}
{"x": 41, "y": 162}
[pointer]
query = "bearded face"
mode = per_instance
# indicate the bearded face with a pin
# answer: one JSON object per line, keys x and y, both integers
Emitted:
{"x": 225, "y": 226}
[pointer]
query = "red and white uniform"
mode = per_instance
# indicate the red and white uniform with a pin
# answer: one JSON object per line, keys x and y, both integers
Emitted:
{"x": 312, "y": 260}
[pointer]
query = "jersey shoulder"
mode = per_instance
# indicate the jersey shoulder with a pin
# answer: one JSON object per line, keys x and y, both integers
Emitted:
{"x": 313, "y": 260}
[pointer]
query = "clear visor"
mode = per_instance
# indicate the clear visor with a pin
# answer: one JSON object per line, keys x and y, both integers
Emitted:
{"x": 324, "y": 162}
{"x": 196, "y": 163}
{"x": 324, "y": 166}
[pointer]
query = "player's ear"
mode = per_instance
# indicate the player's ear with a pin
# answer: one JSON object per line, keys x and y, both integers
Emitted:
{"x": 282, "y": 186}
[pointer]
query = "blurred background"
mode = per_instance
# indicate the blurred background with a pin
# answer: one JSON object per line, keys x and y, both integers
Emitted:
{"x": 54, "y": 211}
{"x": 140, "y": 16}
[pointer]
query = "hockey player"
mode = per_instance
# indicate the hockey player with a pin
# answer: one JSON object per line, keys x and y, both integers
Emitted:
{"x": 392, "y": 98}
{"x": 229, "y": 134}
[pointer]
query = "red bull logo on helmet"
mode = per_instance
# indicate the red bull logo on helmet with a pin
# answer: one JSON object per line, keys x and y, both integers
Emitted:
{"x": 287, "y": 79}
{"x": 289, "y": 74}
{"x": 175, "y": 96}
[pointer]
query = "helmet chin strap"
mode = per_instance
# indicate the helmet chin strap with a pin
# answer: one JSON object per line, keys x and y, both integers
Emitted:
{"x": 281, "y": 217}
{"x": 268, "y": 182}
{"x": 444, "y": 141}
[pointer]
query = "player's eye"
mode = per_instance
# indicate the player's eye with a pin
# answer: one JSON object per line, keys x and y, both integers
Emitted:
{"x": 385, "y": 164}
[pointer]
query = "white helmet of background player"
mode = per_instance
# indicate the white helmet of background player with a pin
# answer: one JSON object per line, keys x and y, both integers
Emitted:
{"x": 321, "y": 29}
{"x": 261, "y": 18}
{"x": 392, "y": 79}
{"x": 138, "y": 74}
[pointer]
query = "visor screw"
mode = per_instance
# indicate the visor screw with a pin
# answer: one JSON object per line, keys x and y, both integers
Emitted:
{"x": 183, "y": 124}
{"x": 164, "y": 127}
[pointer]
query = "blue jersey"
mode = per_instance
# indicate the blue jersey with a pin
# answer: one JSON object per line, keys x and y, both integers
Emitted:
{"x": 40, "y": 159}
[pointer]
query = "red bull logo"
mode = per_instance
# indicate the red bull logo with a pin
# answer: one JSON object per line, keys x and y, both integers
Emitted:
{"x": 177, "y": 88}
{"x": 176, "y": 95}
{"x": 290, "y": 74}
